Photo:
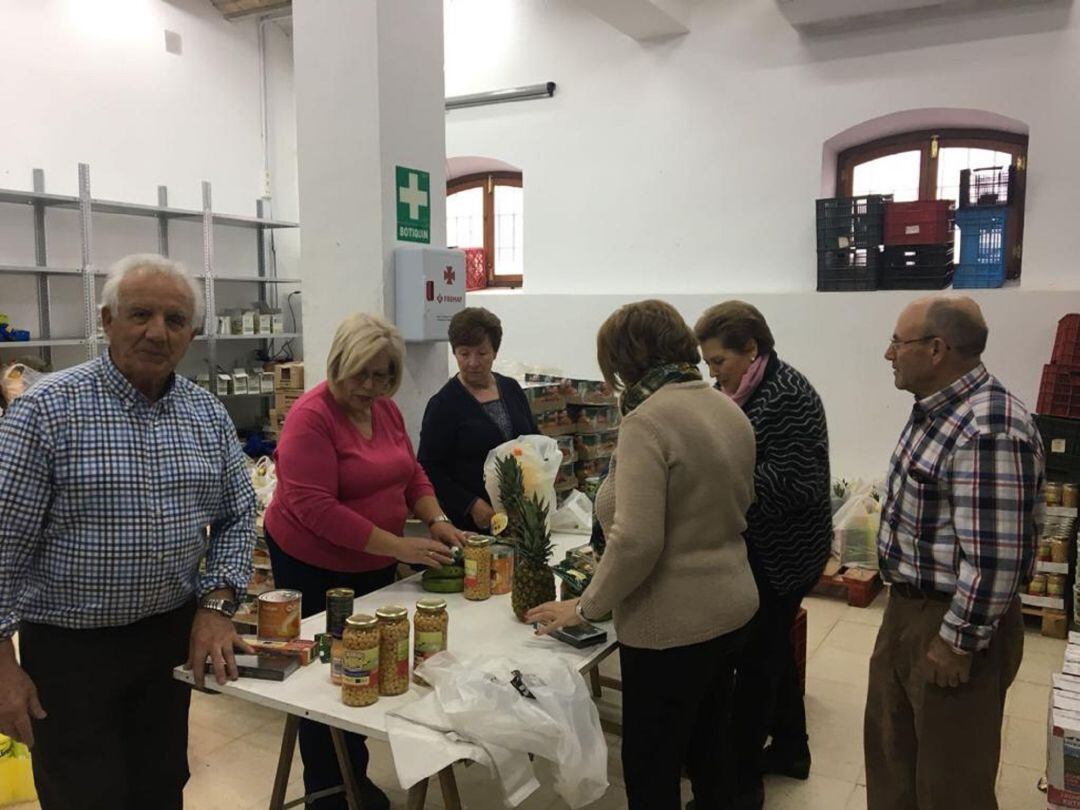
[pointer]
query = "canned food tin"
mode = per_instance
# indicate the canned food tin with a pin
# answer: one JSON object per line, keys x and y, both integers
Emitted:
{"x": 1037, "y": 586}
{"x": 1044, "y": 551}
{"x": 279, "y": 615}
{"x": 1055, "y": 585}
{"x": 339, "y": 607}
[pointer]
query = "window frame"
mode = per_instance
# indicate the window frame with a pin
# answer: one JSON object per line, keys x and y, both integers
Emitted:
{"x": 929, "y": 142}
{"x": 488, "y": 181}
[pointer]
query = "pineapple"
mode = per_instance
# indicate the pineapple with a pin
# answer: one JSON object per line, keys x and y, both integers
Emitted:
{"x": 534, "y": 582}
{"x": 511, "y": 492}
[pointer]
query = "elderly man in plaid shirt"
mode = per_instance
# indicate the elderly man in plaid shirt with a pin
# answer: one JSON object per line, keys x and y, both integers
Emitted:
{"x": 110, "y": 473}
{"x": 957, "y": 542}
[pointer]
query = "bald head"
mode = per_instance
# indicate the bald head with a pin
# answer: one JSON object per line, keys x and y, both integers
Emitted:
{"x": 959, "y": 321}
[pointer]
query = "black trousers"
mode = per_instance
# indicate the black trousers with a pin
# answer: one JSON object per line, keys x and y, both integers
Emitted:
{"x": 768, "y": 700}
{"x": 316, "y": 747}
{"x": 117, "y": 728}
{"x": 676, "y": 712}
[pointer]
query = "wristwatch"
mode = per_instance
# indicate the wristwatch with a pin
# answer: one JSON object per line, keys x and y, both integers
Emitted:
{"x": 438, "y": 519}
{"x": 226, "y": 607}
{"x": 580, "y": 612}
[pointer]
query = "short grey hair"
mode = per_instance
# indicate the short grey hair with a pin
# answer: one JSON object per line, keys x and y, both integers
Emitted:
{"x": 959, "y": 321}
{"x": 151, "y": 263}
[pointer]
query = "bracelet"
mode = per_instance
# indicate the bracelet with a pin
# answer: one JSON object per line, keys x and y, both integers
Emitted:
{"x": 438, "y": 519}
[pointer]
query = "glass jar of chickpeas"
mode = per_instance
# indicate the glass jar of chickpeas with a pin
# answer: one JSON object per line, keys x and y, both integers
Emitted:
{"x": 360, "y": 661}
{"x": 431, "y": 624}
{"x": 393, "y": 650}
{"x": 477, "y": 557}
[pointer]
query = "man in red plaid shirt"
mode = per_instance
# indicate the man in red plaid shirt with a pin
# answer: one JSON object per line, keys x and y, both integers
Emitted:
{"x": 957, "y": 543}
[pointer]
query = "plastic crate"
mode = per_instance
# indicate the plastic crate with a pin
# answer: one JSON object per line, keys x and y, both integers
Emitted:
{"x": 993, "y": 186}
{"x": 848, "y": 270}
{"x": 919, "y": 223}
{"x": 1067, "y": 341}
{"x": 1059, "y": 391}
{"x": 851, "y": 222}
{"x": 917, "y": 267}
{"x": 982, "y": 247}
{"x": 475, "y": 269}
{"x": 1061, "y": 442}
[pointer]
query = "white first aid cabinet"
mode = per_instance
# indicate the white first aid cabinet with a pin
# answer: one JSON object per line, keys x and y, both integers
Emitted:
{"x": 429, "y": 291}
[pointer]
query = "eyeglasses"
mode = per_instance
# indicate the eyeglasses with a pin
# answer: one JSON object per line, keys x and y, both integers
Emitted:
{"x": 894, "y": 343}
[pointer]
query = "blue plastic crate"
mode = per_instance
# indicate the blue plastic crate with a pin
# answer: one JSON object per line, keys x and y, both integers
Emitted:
{"x": 978, "y": 275}
{"x": 982, "y": 236}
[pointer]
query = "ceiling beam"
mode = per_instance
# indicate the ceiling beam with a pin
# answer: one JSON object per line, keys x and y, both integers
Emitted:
{"x": 642, "y": 20}
{"x": 236, "y": 9}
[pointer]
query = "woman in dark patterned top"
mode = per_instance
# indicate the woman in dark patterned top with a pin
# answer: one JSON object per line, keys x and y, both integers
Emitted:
{"x": 788, "y": 536}
{"x": 475, "y": 412}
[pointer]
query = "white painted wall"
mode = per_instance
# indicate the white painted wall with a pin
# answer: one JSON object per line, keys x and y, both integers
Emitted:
{"x": 92, "y": 82}
{"x": 688, "y": 169}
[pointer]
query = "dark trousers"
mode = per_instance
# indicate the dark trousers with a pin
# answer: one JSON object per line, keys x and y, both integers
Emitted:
{"x": 117, "y": 728}
{"x": 768, "y": 700}
{"x": 929, "y": 747}
{"x": 316, "y": 747}
{"x": 676, "y": 712}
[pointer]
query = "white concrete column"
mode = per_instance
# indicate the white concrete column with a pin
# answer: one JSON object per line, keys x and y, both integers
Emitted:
{"x": 369, "y": 97}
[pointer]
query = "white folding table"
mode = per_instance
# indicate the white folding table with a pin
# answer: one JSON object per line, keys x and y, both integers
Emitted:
{"x": 475, "y": 628}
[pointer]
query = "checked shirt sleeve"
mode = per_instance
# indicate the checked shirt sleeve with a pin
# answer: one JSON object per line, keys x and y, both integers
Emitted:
{"x": 25, "y": 492}
{"x": 232, "y": 534}
{"x": 994, "y": 487}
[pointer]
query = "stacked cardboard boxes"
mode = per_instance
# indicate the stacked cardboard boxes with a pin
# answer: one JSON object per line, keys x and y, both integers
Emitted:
{"x": 288, "y": 387}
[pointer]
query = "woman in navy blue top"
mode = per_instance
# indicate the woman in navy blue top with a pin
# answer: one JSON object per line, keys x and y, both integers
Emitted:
{"x": 476, "y": 411}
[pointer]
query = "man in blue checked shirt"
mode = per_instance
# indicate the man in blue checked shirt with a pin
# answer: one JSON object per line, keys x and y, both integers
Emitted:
{"x": 110, "y": 473}
{"x": 957, "y": 542}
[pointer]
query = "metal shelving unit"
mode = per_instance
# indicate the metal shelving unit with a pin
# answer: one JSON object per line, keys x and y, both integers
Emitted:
{"x": 266, "y": 277}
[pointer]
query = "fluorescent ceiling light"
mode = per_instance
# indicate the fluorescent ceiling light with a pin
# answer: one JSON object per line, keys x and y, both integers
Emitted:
{"x": 546, "y": 90}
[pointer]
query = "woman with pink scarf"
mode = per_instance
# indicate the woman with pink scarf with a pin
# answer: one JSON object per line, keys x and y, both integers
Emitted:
{"x": 788, "y": 537}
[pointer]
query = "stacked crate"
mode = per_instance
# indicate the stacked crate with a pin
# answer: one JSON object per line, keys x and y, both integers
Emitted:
{"x": 918, "y": 246}
{"x": 850, "y": 233}
{"x": 1059, "y": 392}
{"x": 982, "y": 218}
{"x": 288, "y": 387}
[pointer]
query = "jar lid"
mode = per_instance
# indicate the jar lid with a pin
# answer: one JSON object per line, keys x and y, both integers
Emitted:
{"x": 393, "y": 612}
{"x": 344, "y": 593}
{"x": 362, "y": 621}
{"x": 431, "y": 604}
{"x": 479, "y": 541}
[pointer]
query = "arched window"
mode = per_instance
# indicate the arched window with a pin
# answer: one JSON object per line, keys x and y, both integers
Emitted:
{"x": 926, "y": 165}
{"x": 484, "y": 208}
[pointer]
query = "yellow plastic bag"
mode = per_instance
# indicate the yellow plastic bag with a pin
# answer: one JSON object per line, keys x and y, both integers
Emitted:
{"x": 16, "y": 777}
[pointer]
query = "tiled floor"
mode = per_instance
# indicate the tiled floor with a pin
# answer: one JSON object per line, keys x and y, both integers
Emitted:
{"x": 234, "y": 745}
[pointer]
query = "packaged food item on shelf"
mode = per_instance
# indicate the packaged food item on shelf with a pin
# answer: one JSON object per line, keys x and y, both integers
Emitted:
{"x": 591, "y": 468}
{"x": 202, "y": 379}
{"x": 1055, "y": 584}
{"x": 502, "y": 569}
{"x": 240, "y": 381}
{"x": 1043, "y": 552}
{"x": 544, "y": 397}
{"x": 1059, "y": 549}
{"x": 1037, "y": 586}
{"x": 566, "y": 479}
{"x": 555, "y": 423}
{"x": 279, "y": 615}
{"x": 566, "y": 446}
{"x": 1053, "y": 491}
{"x": 1070, "y": 495}
{"x": 589, "y": 392}
{"x": 478, "y": 568}
{"x": 360, "y": 661}
{"x": 596, "y": 445}
{"x": 431, "y": 626}
{"x": 593, "y": 418}
{"x": 393, "y": 650}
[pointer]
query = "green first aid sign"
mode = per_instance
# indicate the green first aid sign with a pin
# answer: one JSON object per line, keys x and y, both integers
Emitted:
{"x": 413, "y": 205}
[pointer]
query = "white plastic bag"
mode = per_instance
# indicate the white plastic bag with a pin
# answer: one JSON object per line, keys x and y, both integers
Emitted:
{"x": 484, "y": 699}
{"x": 540, "y": 459}
{"x": 575, "y": 515}
{"x": 264, "y": 481}
{"x": 16, "y": 379}
{"x": 855, "y": 529}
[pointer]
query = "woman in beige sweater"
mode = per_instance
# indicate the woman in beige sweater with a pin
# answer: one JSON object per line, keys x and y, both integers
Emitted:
{"x": 675, "y": 570}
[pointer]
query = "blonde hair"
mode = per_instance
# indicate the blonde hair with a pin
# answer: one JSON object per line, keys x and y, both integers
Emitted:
{"x": 358, "y": 339}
